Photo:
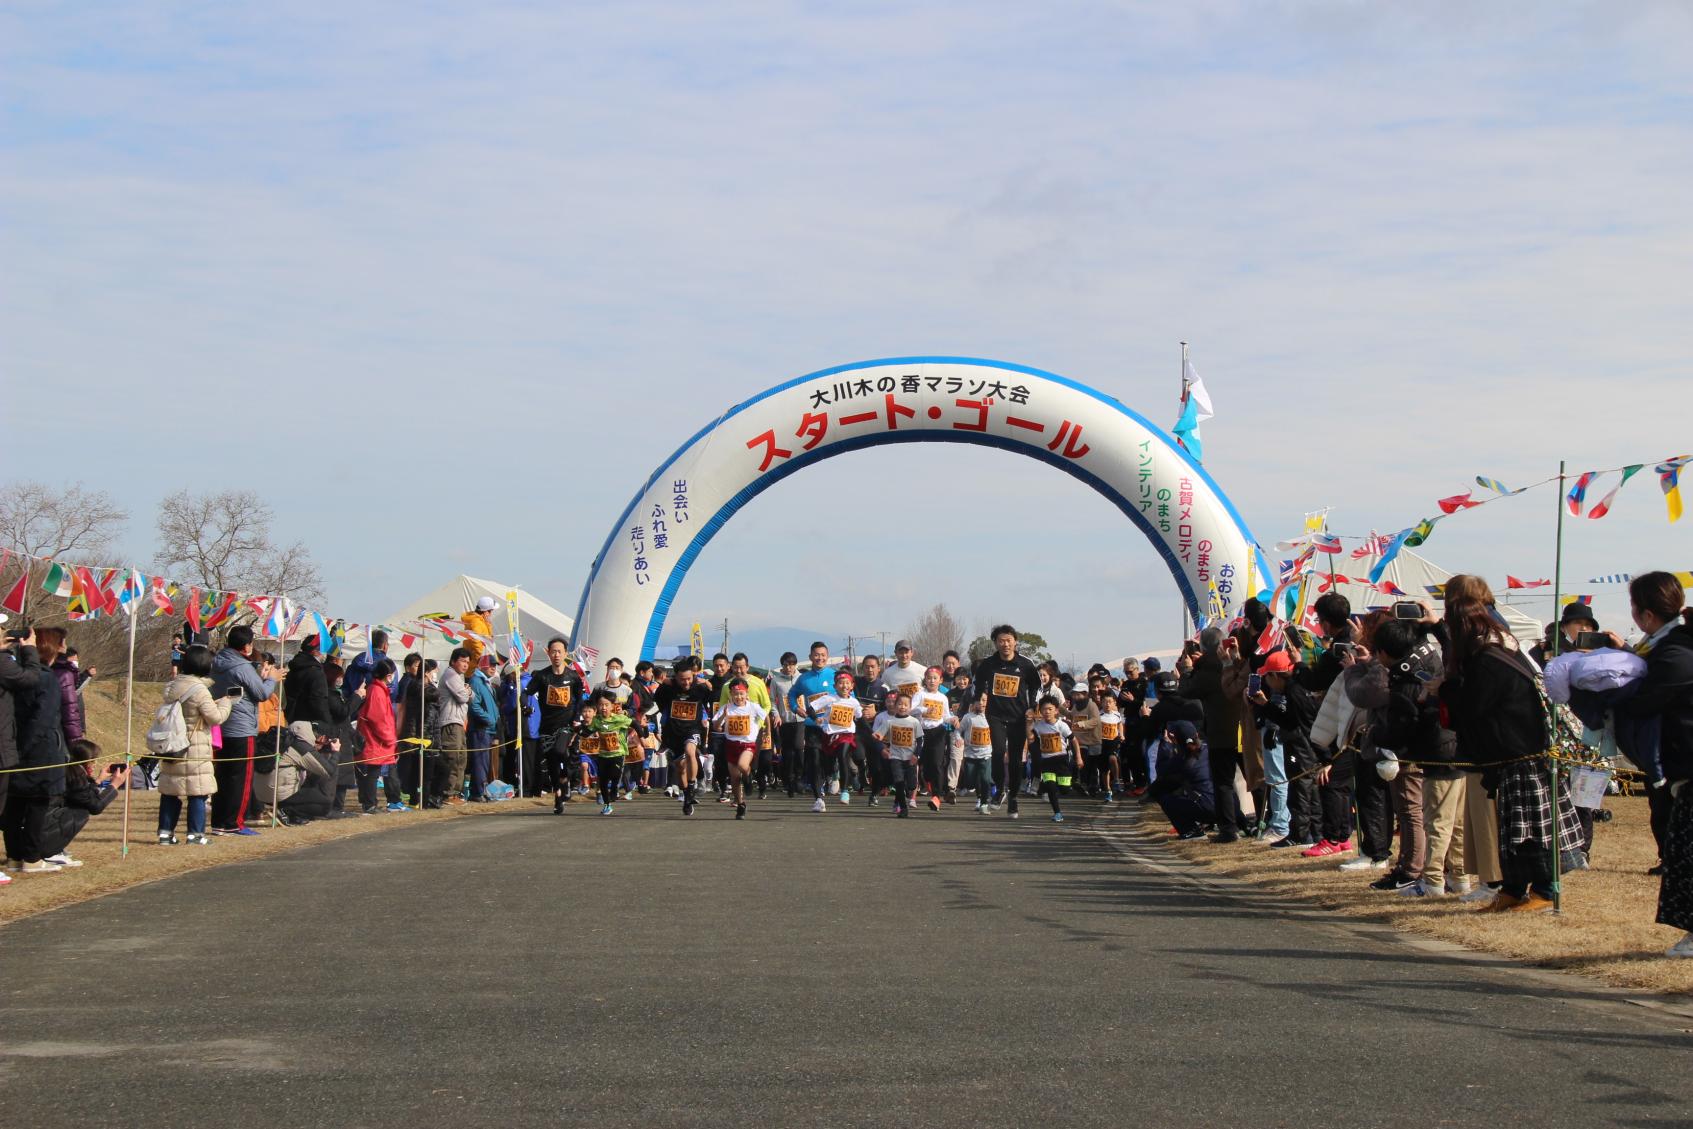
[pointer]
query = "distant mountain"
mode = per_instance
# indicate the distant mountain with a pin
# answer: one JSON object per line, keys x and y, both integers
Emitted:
{"x": 764, "y": 645}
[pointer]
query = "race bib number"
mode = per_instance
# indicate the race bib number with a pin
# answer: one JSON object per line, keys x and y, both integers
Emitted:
{"x": 980, "y": 738}
{"x": 558, "y": 697}
{"x": 902, "y": 737}
{"x": 934, "y": 709}
{"x": 910, "y": 688}
{"x": 590, "y": 744}
{"x": 764, "y": 739}
{"x": 739, "y": 725}
{"x": 841, "y": 717}
{"x": 1006, "y": 685}
{"x": 1110, "y": 731}
{"x": 1051, "y": 744}
{"x": 684, "y": 711}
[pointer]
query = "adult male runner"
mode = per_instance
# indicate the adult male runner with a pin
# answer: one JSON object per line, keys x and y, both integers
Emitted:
{"x": 686, "y": 706}
{"x": 1011, "y": 681}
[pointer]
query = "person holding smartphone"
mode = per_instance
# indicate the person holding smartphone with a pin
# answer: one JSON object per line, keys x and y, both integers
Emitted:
{"x": 186, "y": 780}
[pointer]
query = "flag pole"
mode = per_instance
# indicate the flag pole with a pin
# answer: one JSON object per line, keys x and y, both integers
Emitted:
{"x": 129, "y": 729}
{"x": 1187, "y": 629}
{"x": 1557, "y": 647}
{"x": 517, "y": 686}
{"x": 281, "y": 724}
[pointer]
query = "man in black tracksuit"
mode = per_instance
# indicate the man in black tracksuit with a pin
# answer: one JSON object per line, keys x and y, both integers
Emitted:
{"x": 1011, "y": 682}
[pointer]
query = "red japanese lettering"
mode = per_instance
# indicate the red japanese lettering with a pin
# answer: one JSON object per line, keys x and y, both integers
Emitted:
{"x": 980, "y": 407}
{"x": 771, "y": 451}
{"x": 897, "y": 411}
{"x": 1071, "y": 440}
{"x": 815, "y": 425}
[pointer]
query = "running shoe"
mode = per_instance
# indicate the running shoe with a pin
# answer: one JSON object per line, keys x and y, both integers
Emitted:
{"x": 1393, "y": 880}
{"x": 980, "y": 810}
{"x": 846, "y": 797}
{"x": 42, "y": 866}
{"x": 740, "y": 811}
{"x": 899, "y": 810}
{"x": 1364, "y": 862}
{"x": 1682, "y": 948}
{"x": 687, "y": 805}
{"x": 1193, "y": 833}
{"x": 723, "y": 799}
{"x": 605, "y": 810}
{"x": 398, "y": 806}
{"x": 934, "y": 802}
{"x": 1013, "y": 815}
{"x": 1106, "y": 799}
{"x": 5, "y": 879}
{"x": 818, "y": 806}
{"x": 198, "y": 840}
{"x": 989, "y": 809}
{"x": 247, "y": 831}
{"x": 63, "y": 860}
{"x": 166, "y": 839}
{"x": 1058, "y": 817}
{"x": 871, "y": 802}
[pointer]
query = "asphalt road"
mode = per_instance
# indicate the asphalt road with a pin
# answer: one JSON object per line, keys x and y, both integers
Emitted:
{"x": 518, "y": 969}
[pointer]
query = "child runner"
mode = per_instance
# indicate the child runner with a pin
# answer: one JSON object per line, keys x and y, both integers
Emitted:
{"x": 609, "y": 733}
{"x": 566, "y": 747}
{"x": 977, "y": 771}
{"x": 931, "y": 705}
{"x": 838, "y": 714}
{"x": 873, "y": 696}
{"x": 741, "y": 720}
{"x": 1055, "y": 746}
{"x": 1111, "y": 724}
{"x": 686, "y": 706}
{"x": 900, "y": 735}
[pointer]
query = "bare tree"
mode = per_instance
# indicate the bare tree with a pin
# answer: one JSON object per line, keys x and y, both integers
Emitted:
{"x": 935, "y": 632}
{"x": 223, "y": 542}
{"x": 43, "y": 522}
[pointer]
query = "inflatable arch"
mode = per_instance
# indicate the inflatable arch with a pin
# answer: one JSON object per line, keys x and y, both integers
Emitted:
{"x": 761, "y": 441}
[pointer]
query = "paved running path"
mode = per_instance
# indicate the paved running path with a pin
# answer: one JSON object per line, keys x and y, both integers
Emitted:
{"x": 848, "y": 969}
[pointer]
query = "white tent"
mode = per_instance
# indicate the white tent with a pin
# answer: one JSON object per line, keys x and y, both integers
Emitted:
{"x": 538, "y": 620}
{"x": 1415, "y": 575}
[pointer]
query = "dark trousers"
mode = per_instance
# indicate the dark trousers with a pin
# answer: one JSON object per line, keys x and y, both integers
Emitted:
{"x": 368, "y": 776}
{"x": 406, "y": 772}
{"x": 233, "y": 771}
{"x": 479, "y": 739}
{"x": 1526, "y": 866}
{"x": 1374, "y": 797}
{"x": 1187, "y": 813}
{"x": 875, "y": 768}
{"x": 1224, "y": 764}
{"x": 610, "y": 773}
{"x": 902, "y": 779}
{"x": 1658, "y": 806}
{"x": 313, "y": 799}
{"x": 1010, "y": 740}
{"x": 34, "y": 827}
{"x": 937, "y": 747}
{"x": 1305, "y": 809}
{"x": 793, "y": 755}
{"x": 1336, "y": 800}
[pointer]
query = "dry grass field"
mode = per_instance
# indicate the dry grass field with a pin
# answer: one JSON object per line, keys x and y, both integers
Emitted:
{"x": 1604, "y": 931}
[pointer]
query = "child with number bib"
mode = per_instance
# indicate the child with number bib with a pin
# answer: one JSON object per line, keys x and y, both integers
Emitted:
{"x": 977, "y": 770}
{"x": 932, "y": 707}
{"x": 608, "y": 736}
{"x": 740, "y": 720}
{"x": 1055, "y": 754}
{"x": 1111, "y": 723}
{"x": 900, "y": 735}
{"x": 838, "y": 714}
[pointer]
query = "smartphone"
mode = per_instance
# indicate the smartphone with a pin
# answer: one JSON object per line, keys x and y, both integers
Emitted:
{"x": 1424, "y": 676}
{"x": 1254, "y": 683}
{"x": 1152, "y": 691}
{"x": 1341, "y": 648}
{"x": 1592, "y": 641}
{"x": 234, "y": 692}
{"x": 1408, "y": 609}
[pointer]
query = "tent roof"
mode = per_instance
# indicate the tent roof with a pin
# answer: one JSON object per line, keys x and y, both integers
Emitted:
{"x": 536, "y": 619}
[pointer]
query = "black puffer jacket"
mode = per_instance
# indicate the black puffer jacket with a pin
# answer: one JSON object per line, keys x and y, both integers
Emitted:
{"x": 41, "y": 740}
{"x": 307, "y": 690}
{"x": 16, "y": 679}
{"x": 1292, "y": 713}
{"x": 1493, "y": 707}
{"x": 1666, "y": 693}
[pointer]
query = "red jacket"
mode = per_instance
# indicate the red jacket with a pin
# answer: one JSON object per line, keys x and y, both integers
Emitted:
{"x": 376, "y": 724}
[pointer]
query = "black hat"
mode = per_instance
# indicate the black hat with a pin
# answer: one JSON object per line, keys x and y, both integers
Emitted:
{"x": 1578, "y": 612}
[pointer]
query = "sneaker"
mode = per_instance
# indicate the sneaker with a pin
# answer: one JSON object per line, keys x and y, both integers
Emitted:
{"x": 1282, "y": 844}
{"x": 834, "y": 787}
{"x": 1483, "y": 894}
{"x": 1013, "y": 815}
{"x": 1195, "y": 833}
{"x": 39, "y": 866}
{"x": 1222, "y": 837}
{"x": 871, "y": 802}
{"x": 63, "y": 861}
{"x": 198, "y": 840}
{"x": 818, "y": 806}
{"x": 980, "y": 809}
{"x": 1457, "y": 885}
{"x": 723, "y": 799}
{"x": 248, "y": 831}
{"x": 934, "y": 802}
{"x": 1420, "y": 889}
{"x": 1364, "y": 862}
{"x": 1532, "y": 903}
{"x": 899, "y": 810}
{"x": 1058, "y": 817}
{"x": 5, "y": 879}
{"x": 398, "y": 806}
{"x": 1105, "y": 799}
{"x": 1393, "y": 880}
{"x": 740, "y": 811}
{"x": 761, "y": 791}
{"x": 166, "y": 839}
{"x": 605, "y": 809}
{"x": 1682, "y": 948}
{"x": 687, "y": 805}
{"x": 372, "y": 810}
{"x": 846, "y": 797}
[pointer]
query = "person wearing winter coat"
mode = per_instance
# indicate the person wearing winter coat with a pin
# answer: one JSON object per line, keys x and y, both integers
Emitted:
{"x": 381, "y": 750}
{"x": 1183, "y": 785}
{"x": 301, "y": 783}
{"x": 306, "y": 688}
{"x": 1205, "y": 684}
{"x": 479, "y": 735}
{"x": 1288, "y": 709}
{"x": 234, "y": 668}
{"x": 50, "y": 645}
{"x": 36, "y": 825}
{"x": 187, "y": 779}
{"x": 18, "y": 676}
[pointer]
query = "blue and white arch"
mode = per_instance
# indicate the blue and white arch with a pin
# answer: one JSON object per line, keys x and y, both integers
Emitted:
{"x": 758, "y": 442}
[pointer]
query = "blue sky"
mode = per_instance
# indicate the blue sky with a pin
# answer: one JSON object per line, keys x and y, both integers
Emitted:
{"x": 531, "y": 248}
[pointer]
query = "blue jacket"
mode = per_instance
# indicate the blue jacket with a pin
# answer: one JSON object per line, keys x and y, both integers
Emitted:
{"x": 484, "y": 708}
{"x": 359, "y": 671}
{"x": 810, "y": 684}
{"x": 1183, "y": 775}
{"x": 231, "y": 668}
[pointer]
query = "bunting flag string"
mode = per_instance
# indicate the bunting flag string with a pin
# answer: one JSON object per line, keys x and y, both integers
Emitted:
{"x": 1457, "y": 502}
{"x": 1578, "y": 492}
{"x": 1497, "y": 487}
{"x": 1603, "y": 505}
{"x": 1669, "y": 478}
{"x": 1513, "y": 582}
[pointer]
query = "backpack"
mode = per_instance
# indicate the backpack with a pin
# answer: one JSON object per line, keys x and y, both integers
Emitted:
{"x": 169, "y": 734}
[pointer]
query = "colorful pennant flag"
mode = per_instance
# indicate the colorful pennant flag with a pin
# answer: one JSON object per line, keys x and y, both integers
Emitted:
{"x": 192, "y": 610}
{"x": 1603, "y": 505}
{"x": 1272, "y": 637}
{"x": 1438, "y": 591}
{"x": 1578, "y": 492}
{"x": 1669, "y": 478}
{"x": 1496, "y": 486}
{"x": 322, "y": 632}
{"x": 1196, "y": 409}
{"x": 1325, "y": 542}
{"x": 294, "y": 622}
{"x": 1420, "y": 532}
{"x": 58, "y": 581}
{"x": 1455, "y": 503}
{"x": 1388, "y": 553}
{"x": 1374, "y": 544}
{"x": 1611, "y": 578}
{"x": 1566, "y": 601}
{"x": 1513, "y": 582}
{"x": 224, "y": 610}
{"x": 277, "y": 622}
{"x": 407, "y": 640}
{"x": 14, "y": 601}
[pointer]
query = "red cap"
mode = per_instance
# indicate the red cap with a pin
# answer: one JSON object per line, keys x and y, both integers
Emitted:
{"x": 1278, "y": 662}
